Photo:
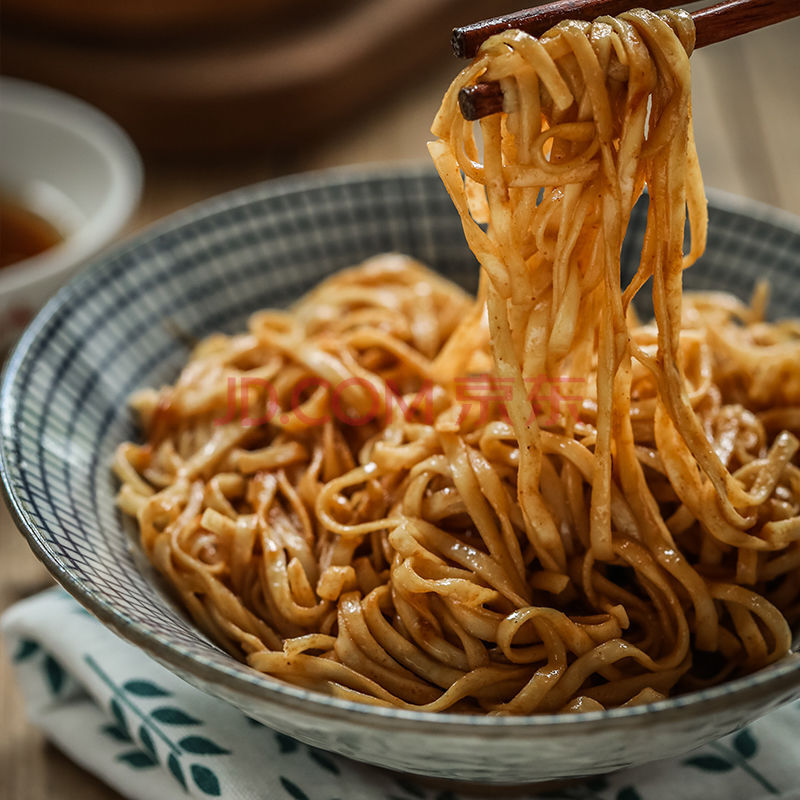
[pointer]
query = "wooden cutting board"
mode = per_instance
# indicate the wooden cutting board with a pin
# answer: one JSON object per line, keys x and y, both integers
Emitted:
{"x": 250, "y": 81}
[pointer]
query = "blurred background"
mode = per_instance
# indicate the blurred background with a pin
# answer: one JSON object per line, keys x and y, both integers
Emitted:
{"x": 216, "y": 95}
{"x": 220, "y": 94}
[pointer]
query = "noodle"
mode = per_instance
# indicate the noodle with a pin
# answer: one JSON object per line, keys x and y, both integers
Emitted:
{"x": 531, "y": 502}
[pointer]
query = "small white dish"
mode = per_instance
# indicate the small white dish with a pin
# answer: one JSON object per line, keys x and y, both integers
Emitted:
{"x": 70, "y": 164}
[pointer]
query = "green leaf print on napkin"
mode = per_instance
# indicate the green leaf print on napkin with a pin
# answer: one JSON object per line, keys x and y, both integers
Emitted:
{"x": 293, "y": 789}
{"x": 145, "y": 689}
{"x": 54, "y": 673}
{"x": 745, "y": 746}
{"x": 147, "y": 742}
{"x": 324, "y": 760}
{"x": 170, "y": 715}
{"x": 710, "y": 763}
{"x": 137, "y": 759}
{"x": 148, "y": 727}
{"x": 205, "y": 779}
{"x": 116, "y": 733}
{"x": 119, "y": 716}
{"x": 200, "y": 745}
{"x": 175, "y": 768}
{"x": 285, "y": 743}
{"x": 26, "y": 649}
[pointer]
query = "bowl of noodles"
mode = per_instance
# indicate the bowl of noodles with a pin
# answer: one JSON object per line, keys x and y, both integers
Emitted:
{"x": 436, "y": 495}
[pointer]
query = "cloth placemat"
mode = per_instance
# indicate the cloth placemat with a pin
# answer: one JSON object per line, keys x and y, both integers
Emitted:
{"x": 152, "y": 736}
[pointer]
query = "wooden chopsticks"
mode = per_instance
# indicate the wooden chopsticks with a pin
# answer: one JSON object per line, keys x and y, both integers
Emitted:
{"x": 535, "y": 21}
{"x": 713, "y": 24}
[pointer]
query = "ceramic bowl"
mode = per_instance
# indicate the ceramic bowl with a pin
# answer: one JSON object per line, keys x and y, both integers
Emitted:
{"x": 114, "y": 329}
{"x": 74, "y": 167}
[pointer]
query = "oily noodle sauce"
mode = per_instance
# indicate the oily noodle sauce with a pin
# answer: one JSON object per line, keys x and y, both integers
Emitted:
{"x": 23, "y": 234}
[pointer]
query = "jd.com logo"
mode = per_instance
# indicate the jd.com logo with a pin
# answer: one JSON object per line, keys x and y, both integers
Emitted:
{"x": 357, "y": 401}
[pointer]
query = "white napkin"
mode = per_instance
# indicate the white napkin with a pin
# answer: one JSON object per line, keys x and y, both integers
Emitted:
{"x": 152, "y": 736}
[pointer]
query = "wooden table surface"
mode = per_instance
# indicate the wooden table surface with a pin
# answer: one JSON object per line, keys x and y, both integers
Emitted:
{"x": 747, "y": 123}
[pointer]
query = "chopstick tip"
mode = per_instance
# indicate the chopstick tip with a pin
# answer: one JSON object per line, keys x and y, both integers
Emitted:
{"x": 467, "y": 106}
{"x": 481, "y": 100}
{"x": 458, "y": 43}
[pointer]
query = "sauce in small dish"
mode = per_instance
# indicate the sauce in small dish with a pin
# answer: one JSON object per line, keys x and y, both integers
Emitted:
{"x": 23, "y": 233}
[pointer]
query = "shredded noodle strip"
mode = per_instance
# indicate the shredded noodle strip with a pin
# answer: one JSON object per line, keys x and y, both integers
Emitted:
{"x": 336, "y": 503}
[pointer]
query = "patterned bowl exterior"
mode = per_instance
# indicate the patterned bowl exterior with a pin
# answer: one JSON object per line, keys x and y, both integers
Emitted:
{"x": 120, "y": 326}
